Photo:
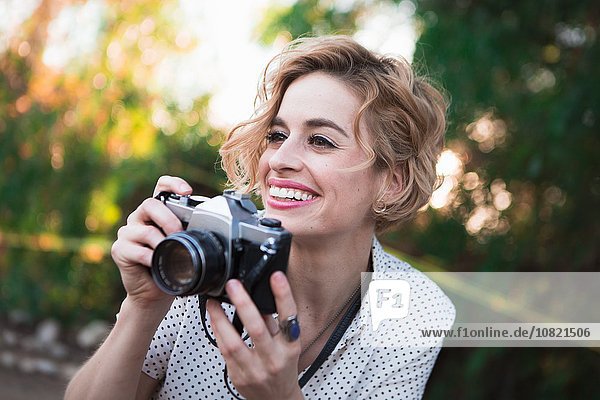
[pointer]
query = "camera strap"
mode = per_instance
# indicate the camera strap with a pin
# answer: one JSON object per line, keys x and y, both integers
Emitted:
{"x": 327, "y": 350}
{"x": 333, "y": 340}
{"x": 338, "y": 332}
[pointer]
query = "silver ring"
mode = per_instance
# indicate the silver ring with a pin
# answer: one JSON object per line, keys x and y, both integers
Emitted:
{"x": 291, "y": 328}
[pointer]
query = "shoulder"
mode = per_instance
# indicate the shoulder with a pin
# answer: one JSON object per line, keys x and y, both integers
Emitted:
{"x": 388, "y": 266}
{"x": 426, "y": 305}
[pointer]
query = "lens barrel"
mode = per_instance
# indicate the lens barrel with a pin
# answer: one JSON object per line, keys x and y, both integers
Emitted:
{"x": 189, "y": 262}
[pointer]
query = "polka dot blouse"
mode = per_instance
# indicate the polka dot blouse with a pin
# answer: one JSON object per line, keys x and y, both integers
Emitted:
{"x": 393, "y": 362}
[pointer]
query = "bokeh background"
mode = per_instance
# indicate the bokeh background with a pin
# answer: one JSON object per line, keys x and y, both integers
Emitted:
{"x": 99, "y": 98}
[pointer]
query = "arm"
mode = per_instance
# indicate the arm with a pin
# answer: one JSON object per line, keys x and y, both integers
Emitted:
{"x": 115, "y": 370}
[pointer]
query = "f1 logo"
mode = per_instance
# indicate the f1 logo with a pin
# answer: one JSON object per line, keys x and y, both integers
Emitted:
{"x": 389, "y": 299}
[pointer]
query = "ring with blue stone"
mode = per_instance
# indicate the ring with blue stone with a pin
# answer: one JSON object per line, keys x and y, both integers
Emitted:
{"x": 291, "y": 328}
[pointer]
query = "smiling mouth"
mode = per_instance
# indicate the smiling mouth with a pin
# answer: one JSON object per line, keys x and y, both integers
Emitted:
{"x": 286, "y": 194}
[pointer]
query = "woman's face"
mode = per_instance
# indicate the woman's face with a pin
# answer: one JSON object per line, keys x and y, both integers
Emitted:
{"x": 305, "y": 181}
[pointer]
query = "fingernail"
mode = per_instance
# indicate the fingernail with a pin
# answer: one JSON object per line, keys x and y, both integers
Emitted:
{"x": 279, "y": 277}
{"x": 184, "y": 188}
{"x": 233, "y": 285}
{"x": 210, "y": 304}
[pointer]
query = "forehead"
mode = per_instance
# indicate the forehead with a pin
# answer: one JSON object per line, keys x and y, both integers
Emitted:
{"x": 319, "y": 95}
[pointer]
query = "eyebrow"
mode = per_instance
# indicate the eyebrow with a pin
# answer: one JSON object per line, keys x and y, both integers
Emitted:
{"x": 314, "y": 123}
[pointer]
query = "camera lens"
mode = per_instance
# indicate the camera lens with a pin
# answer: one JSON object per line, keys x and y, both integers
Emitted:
{"x": 181, "y": 263}
{"x": 189, "y": 262}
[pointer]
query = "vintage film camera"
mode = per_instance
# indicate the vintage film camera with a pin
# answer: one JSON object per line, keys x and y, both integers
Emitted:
{"x": 224, "y": 238}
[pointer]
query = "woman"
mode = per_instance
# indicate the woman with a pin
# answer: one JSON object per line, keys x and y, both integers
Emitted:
{"x": 343, "y": 145}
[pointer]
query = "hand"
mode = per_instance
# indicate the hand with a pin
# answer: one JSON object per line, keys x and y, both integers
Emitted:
{"x": 269, "y": 370}
{"x": 145, "y": 228}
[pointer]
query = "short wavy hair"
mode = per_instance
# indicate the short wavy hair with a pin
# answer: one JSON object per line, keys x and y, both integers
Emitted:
{"x": 404, "y": 114}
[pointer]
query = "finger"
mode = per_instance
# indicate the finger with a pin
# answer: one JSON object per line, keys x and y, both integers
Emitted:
{"x": 249, "y": 314}
{"x": 152, "y": 211}
{"x": 232, "y": 347}
{"x": 125, "y": 253}
{"x": 271, "y": 324}
{"x": 136, "y": 243}
{"x": 145, "y": 235}
{"x": 286, "y": 306}
{"x": 172, "y": 184}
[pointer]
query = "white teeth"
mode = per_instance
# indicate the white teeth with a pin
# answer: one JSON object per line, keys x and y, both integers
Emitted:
{"x": 289, "y": 194}
{"x": 274, "y": 191}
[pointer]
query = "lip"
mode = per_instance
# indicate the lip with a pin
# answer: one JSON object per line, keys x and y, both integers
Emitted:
{"x": 286, "y": 205}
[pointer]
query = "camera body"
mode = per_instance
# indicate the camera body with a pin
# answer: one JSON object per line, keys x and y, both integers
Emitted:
{"x": 224, "y": 238}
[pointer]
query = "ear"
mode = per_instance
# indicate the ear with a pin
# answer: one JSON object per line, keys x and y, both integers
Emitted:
{"x": 392, "y": 184}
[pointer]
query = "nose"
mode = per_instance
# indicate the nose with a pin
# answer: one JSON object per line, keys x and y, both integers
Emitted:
{"x": 288, "y": 156}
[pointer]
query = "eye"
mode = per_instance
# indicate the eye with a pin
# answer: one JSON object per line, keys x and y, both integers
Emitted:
{"x": 321, "y": 141}
{"x": 276, "y": 137}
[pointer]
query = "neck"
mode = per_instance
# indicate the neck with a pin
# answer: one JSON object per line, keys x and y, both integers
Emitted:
{"x": 324, "y": 273}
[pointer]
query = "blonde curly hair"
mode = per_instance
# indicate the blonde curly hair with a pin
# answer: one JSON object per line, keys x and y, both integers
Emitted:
{"x": 404, "y": 114}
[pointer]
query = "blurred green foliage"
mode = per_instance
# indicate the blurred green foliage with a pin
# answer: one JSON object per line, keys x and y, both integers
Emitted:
{"x": 304, "y": 17}
{"x": 531, "y": 68}
{"x": 80, "y": 148}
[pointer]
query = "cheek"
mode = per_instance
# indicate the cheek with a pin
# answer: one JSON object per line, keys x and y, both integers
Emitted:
{"x": 349, "y": 189}
{"x": 263, "y": 165}
{"x": 365, "y": 187}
